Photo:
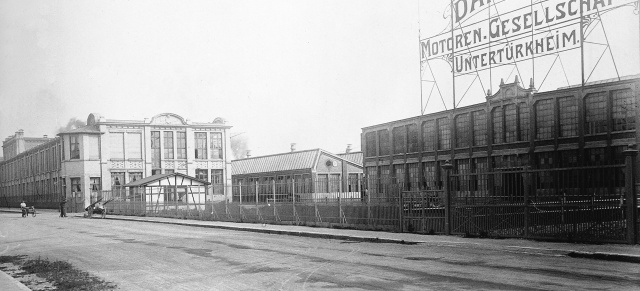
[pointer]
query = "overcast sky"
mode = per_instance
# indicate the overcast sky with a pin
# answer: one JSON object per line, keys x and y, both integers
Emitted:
{"x": 309, "y": 72}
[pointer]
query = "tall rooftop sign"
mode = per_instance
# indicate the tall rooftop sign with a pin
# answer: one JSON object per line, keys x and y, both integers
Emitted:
{"x": 571, "y": 40}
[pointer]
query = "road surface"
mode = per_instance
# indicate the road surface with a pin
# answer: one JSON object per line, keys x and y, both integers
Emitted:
{"x": 151, "y": 256}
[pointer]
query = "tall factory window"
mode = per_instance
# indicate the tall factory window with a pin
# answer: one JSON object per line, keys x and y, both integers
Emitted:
{"x": 398, "y": 176}
{"x": 413, "y": 144}
{"x": 385, "y": 146}
{"x": 216, "y": 145}
{"x": 399, "y": 139}
{"x": 524, "y": 121}
{"x": 201, "y": 145}
{"x": 372, "y": 179}
{"x": 370, "y": 139}
{"x": 413, "y": 177}
{"x": 596, "y": 113}
{"x": 168, "y": 144}
{"x": 182, "y": 144}
{"x": 385, "y": 178}
{"x": 462, "y": 130}
{"x": 428, "y": 135}
{"x": 479, "y": 128}
{"x": 497, "y": 125}
{"x": 430, "y": 175}
{"x": 544, "y": 119}
{"x": 623, "y": 110}
{"x": 444, "y": 134}
{"x": 74, "y": 147}
{"x": 510, "y": 123}
{"x": 568, "y": 116}
{"x": 155, "y": 149}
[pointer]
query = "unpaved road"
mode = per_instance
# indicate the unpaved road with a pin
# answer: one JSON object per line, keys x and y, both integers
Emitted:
{"x": 150, "y": 256}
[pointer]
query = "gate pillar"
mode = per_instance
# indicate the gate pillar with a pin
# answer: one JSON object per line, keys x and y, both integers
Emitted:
{"x": 630, "y": 194}
{"x": 447, "y": 197}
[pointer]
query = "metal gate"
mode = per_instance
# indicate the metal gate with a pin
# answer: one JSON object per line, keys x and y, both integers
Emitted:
{"x": 423, "y": 211}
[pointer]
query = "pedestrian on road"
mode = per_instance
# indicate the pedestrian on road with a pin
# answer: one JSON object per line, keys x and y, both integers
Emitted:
{"x": 23, "y": 207}
{"x": 63, "y": 207}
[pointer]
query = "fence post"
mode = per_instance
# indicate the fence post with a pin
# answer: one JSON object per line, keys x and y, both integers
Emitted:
{"x": 401, "y": 204}
{"x": 447, "y": 197}
{"x": 240, "y": 190}
{"x": 273, "y": 190}
{"x": 630, "y": 193}
{"x": 527, "y": 204}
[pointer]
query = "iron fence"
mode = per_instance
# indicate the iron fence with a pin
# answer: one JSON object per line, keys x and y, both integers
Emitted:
{"x": 597, "y": 204}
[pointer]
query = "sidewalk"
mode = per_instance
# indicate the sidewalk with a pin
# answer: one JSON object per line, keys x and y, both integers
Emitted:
{"x": 8, "y": 283}
{"x": 614, "y": 252}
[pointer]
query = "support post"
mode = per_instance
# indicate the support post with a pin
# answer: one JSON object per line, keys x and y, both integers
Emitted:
{"x": 273, "y": 190}
{"x": 630, "y": 194}
{"x": 447, "y": 197}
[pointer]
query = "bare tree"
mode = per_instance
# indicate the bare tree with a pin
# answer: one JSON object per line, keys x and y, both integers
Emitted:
{"x": 72, "y": 124}
{"x": 239, "y": 145}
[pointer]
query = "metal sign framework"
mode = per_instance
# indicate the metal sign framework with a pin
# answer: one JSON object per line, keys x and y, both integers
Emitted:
{"x": 480, "y": 43}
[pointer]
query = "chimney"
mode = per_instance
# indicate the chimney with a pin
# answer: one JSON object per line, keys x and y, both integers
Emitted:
{"x": 348, "y": 148}
{"x": 248, "y": 154}
{"x": 20, "y": 133}
{"x": 293, "y": 147}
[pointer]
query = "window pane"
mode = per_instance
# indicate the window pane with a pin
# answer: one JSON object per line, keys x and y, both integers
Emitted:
{"x": 510, "y": 123}
{"x": 479, "y": 128}
{"x": 385, "y": 146}
{"x": 462, "y": 130}
{"x": 596, "y": 113}
{"x": 216, "y": 145}
{"x": 544, "y": 119}
{"x": 168, "y": 144}
{"x": 444, "y": 134}
{"x": 524, "y": 121}
{"x": 412, "y": 131}
{"x": 428, "y": 135}
{"x": 370, "y": 139}
{"x": 74, "y": 144}
{"x": 182, "y": 144}
{"x": 497, "y": 125}
{"x": 155, "y": 149}
{"x": 399, "y": 138}
{"x": 568, "y": 116}
{"x": 623, "y": 110}
{"x": 201, "y": 145}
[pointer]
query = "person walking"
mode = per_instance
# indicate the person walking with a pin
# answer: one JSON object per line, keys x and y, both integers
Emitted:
{"x": 63, "y": 207}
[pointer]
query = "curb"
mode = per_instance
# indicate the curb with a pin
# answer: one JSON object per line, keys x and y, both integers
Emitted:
{"x": 283, "y": 232}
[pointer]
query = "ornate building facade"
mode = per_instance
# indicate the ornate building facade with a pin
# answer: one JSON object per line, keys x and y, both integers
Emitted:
{"x": 106, "y": 154}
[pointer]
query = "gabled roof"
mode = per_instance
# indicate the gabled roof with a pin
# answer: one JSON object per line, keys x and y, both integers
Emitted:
{"x": 355, "y": 157}
{"x": 298, "y": 160}
{"x": 148, "y": 180}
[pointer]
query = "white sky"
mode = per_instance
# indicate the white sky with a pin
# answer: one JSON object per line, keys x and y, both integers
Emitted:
{"x": 309, "y": 72}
